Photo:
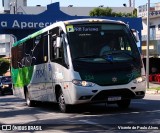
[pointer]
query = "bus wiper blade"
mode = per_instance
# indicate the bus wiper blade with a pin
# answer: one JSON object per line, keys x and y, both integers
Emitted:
{"x": 108, "y": 58}
{"x": 87, "y": 56}
{"x": 129, "y": 55}
{"x": 123, "y": 52}
{"x": 104, "y": 57}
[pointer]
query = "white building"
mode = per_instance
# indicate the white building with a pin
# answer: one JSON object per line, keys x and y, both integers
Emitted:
{"x": 154, "y": 45}
{"x": 5, "y": 45}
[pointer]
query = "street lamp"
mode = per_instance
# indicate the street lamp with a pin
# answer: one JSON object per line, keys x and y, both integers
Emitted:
{"x": 147, "y": 52}
{"x": 124, "y": 5}
{"x": 14, "y": 5}
{"x": 101, "y": 6}
{"x": 14, "y": 8}
{"x": 10, "y": 4}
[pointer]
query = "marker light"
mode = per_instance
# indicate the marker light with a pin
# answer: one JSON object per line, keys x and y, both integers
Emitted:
{"x": 95, "y": 20}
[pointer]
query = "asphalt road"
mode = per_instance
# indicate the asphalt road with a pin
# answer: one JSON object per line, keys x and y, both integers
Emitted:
{"x": 142, "y": 116}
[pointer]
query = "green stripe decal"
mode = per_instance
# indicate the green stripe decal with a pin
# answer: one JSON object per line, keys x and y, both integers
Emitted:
{"x": 21, "y": 77}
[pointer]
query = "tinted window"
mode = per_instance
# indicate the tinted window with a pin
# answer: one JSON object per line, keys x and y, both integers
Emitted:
{"x": 32, "y": 52}
{"x": 86, "y": 42}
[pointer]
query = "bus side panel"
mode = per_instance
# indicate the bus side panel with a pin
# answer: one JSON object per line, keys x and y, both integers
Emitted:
{"x": 21, "y": 77}
{"x": 37, "y": 86}
{"x": 61, "y": 76}
{"x": 50, "y": 92}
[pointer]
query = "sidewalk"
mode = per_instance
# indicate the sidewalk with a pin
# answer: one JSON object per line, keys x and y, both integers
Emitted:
{"x": 153, "y": 85}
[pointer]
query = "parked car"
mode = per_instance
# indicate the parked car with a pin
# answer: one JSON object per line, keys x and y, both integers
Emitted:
{"x": 0, "y": 82}
{"x": 6, "y": 85}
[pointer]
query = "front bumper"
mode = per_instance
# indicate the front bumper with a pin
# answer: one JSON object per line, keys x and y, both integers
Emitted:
{"x": 103, "y": 93}
{"x": 123, "y": 93}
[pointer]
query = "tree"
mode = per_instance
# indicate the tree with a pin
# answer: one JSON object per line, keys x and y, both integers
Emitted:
{"x": 4, "y": 66}
{"x": 135, "y": 12}
{"x": 101, "y": 12}
{"x": 108, "y": 12}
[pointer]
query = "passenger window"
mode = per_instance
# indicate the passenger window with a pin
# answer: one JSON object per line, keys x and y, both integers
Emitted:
{"x": 40, "y": 48}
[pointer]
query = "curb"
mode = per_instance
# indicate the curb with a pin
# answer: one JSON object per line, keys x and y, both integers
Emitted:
{"x": 152, "y": 92}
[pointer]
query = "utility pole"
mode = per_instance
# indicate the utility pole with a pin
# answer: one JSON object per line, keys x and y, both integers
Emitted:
{"x": 148, "y": 38}
{"x": 132, "y": 3}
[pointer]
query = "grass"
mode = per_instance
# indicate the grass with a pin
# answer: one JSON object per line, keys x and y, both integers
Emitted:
{"x": 154, "y": 88}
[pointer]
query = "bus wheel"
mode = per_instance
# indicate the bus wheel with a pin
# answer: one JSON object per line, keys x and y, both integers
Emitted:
{"x": 124, "y": 103}
{"x": 30, "y": 103}
{"x": 2, "y": 92}
{"x": 62, "y": 105}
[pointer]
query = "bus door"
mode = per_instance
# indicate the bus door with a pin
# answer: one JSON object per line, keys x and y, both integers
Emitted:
{"x": 58, "y": 57}
{"x": 39, "y": 54}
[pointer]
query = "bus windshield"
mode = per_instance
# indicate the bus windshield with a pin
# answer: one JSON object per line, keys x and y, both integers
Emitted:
{"x": 93, "y": 43}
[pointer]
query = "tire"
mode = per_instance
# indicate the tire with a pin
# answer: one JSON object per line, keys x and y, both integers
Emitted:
{"x": 30, "y": 103}
{"x": 61, "y": 102}
{"x": 124, "y": 104}
{"x": 2, "y": 92}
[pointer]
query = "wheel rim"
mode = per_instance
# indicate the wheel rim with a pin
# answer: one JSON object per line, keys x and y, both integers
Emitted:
{"x": 62, "y": 103}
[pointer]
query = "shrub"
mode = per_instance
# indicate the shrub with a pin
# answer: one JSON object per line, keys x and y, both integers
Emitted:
{"x": 4, "y": 66}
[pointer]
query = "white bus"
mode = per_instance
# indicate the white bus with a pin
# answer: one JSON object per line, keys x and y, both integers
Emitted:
{"x": 62, "y": 63}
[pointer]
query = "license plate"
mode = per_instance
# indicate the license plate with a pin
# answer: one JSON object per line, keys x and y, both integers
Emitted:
{"x": 114, "y": 98}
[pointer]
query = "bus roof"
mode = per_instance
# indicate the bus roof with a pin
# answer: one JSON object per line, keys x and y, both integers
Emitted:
{"x": 92, "y": 20}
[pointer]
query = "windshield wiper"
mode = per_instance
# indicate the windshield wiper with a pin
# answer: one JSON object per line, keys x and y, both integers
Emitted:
{"x": 123, "y": 52}
{"x": 129, "y": 55}
{"x": 106, "y": 58}
{"x": 87, "y": 56}
{"x": 95, "y": 56}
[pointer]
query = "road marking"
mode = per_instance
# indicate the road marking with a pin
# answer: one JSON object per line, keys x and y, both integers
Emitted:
{"x": 140, "y": 102}
{"x": 104, "y": 127}
{"x": 93, "y": 123}
{"x": 88, "y": 122}
{"x": 153, "y": 111}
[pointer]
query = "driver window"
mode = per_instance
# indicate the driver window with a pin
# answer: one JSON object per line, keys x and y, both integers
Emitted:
{"x": 56, "y": 54}
{"x": 53, "y": 50}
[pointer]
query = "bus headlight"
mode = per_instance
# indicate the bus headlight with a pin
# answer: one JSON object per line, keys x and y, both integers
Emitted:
{"x": 82, "y": 83}
{"x": 139, "y": 79}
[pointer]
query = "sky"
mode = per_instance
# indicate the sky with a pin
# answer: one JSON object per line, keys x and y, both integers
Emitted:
{"x": 87, "y": 3}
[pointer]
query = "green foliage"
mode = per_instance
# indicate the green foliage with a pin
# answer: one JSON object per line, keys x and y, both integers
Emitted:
{"x": 135, "y": 12}
{"x": 108, "y": 12}
{"x": 100, "y": 12}
{"x": 154, "y": 88}
{"x": 4, "y": 66}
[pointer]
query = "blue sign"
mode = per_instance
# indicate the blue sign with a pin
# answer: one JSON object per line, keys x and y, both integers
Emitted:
{"x": 22, "y": 25}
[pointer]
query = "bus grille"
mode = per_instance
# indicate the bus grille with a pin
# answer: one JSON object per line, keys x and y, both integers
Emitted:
{"x": 104, "y": 94}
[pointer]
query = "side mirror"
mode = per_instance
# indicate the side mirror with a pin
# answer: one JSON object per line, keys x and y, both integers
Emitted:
{"x": 136, "y": 34}
{"x": 58, "y": 42}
